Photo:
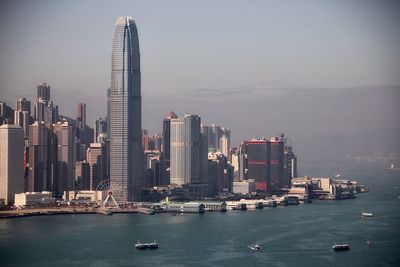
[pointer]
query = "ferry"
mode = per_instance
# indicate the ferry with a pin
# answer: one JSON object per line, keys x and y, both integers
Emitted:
{"x": 367, "y": 214}
{"x": 151, "y": 245}
{"x": 339, "y": 247}
{"x": 255, "y": 247}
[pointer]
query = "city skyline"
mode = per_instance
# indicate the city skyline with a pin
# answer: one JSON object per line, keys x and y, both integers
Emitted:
{"x": 218, "y": 133}
{"x": 288, "y": 66}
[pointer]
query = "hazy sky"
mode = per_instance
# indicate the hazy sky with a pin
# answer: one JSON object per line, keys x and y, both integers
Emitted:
{"x": 325, "y": 72}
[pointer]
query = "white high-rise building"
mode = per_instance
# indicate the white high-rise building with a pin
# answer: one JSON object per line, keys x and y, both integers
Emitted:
{"x": 11, "y": 162}
{"x": 126, "y": 152}
{"x": 186, "y": 151}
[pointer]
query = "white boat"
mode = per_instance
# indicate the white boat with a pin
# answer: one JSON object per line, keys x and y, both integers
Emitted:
{"x": 392, "y": 167}
{"x": 367, "y": 214}
{"x": 151, "y": 245}
{"x": 255, "y": 247}
{"x": 339, "y": 247}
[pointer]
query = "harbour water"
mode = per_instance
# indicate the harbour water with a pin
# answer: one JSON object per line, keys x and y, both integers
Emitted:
{"x": 289, "y": 236}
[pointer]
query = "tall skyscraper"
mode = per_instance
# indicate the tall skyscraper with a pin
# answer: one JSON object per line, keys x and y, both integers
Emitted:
{"x": 256, "y": 156}
{"x": 43, "y": 91}
{"x": 219, "y": 138}
{"x": 81, "y": 123}
{"x": 45, "y": 110}
{"x": 277, "y": 163}
{"x": 166, "y": 145}
{"x": 157, "y": 142}
{"x": 66, "y": 157}
{"x": 126, "y": 152}
{"x": 11, "y": 162}
{"x": 100, "y": 127}
{"x": 186, "y": 150}
{"x": 166, "y": 136}
{"x": 40, "y": 158}
{"x": 290, "y": 161}
{"x": 290, "y": 165}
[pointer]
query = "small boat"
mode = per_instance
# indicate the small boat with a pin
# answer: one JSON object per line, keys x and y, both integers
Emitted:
{"x": 392, "y": 167}
{"x": 339, "y": 247}
{"x": 105, "y": 212}
{"x": 367, "y": 214}
{"x": 255, "y": 247}
{"x": 151, "y": 245}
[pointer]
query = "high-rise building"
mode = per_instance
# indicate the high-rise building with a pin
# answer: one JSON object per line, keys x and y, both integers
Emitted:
{"x": 81, "y": 123}
{"x": 45, "y": 110}
{"x": 235, "y": 166}
{"x": 82, "y": 175}
{"x": 220, "y": 174}
{"x": 6, "y": 114}
{"x": 100, "y": 127}
{"x": 268, "y": 162}
{"x": 154, "y": 168}
{"x": 186, "y": 151}
{"x": 43, "y": 91}
{"x": 2, "y": 110}
{"x": 277, "y": 163}
{"x": 23, "y": 105}
{"x": 40, "y": 158}
{"x": 22, "y": 115}
{"x": 166, "y": 136}
{"x": 66, "y": 157}
{"x": 224, "y": 145}
{"x": 219, "y": 138}
{"x": 256, "y": 157}
{"x": 157, "y": 139}
{"x": 147, "y": 142}
{"x": 97, "y": 159}
{"x": 11, "y": 162}
{"x": 166, "y": 144}
{"x": 290, "y": 162}
{"x": 126, "y": 152}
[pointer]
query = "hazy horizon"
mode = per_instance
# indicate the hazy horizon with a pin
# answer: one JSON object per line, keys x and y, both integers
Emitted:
{"x": 323, "y": 72}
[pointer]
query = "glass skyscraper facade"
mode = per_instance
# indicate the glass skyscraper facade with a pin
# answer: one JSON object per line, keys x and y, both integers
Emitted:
{"x": 186, "y": 153}
{"x": 126, "y": 153}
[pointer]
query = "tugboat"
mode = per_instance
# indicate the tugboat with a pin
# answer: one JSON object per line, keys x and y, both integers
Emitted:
{"x": 151, "y": 245}
{"x": 339, "y": 247}
{"x": 255, "y": 247}
{"x": 367, "y": 214}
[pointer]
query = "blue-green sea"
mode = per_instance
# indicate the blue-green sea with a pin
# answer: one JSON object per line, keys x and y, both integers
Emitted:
{"x": 289, "y": 236}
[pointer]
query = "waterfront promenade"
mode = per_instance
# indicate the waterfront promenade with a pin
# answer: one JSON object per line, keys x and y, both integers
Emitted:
{"x": 57, "y": 211}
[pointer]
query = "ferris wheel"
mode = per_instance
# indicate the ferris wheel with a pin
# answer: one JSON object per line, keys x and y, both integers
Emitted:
{"x": 108, "y": 189}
